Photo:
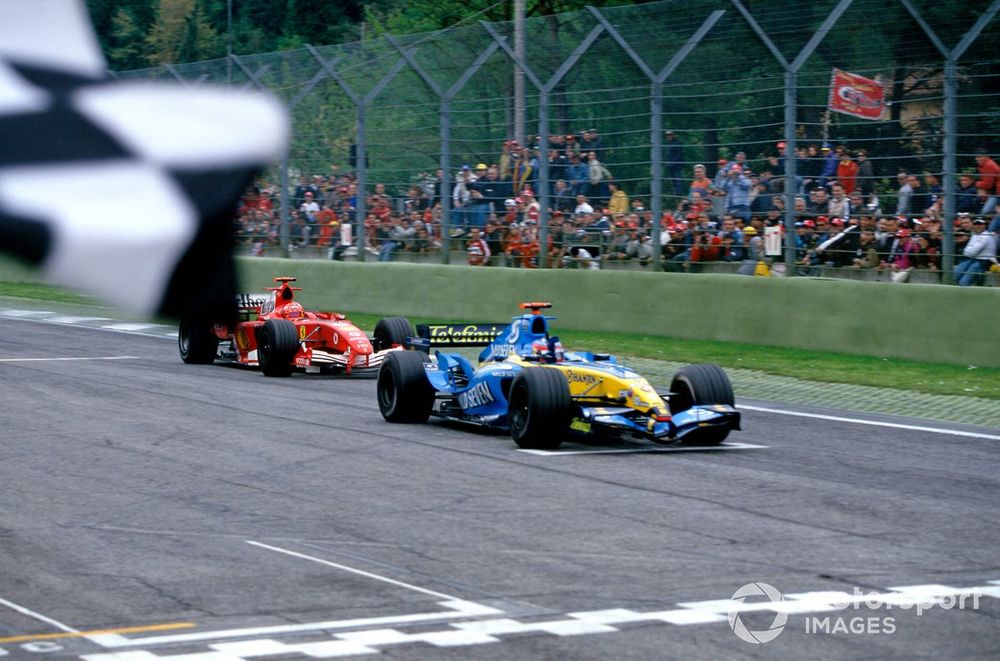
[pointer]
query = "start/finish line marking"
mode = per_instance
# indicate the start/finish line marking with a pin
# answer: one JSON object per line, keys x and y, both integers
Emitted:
{"x": 873, "y": 423}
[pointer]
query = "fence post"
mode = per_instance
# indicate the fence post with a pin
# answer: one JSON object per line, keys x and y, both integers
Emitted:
{"x": 950, "y": 128}
{"x": 361, "y": 164}
{"x": 446, "y": 97}
{"x": 791, "y": 108}
{"x": 656, "y": 111}
{"x": 544, "y": 90}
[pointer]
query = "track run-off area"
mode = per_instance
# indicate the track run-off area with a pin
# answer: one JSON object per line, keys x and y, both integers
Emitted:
{"x": 155, "y": 510}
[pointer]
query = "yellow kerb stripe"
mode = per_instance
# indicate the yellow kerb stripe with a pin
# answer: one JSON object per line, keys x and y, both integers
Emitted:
{"x": 83, "y": 634}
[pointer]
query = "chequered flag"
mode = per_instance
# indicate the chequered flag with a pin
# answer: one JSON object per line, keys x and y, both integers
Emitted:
{"x": 123, "y": 189}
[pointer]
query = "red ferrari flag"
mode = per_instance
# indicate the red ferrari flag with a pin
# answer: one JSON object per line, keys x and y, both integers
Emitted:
{"x": 856, "y": 95}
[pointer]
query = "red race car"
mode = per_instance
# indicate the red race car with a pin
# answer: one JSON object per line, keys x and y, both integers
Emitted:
{"x": 277, "y": 334}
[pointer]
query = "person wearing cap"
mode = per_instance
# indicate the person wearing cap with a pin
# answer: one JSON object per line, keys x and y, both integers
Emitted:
{"x": 805, "y": 248}
{"x": 980, "y": 254}
{"x": 900, "y": 263}
{"x": 673, "y": 162}
{"x": 309, "y": 207}
{"x": 754, "y": 260}
{"x": 841, "y": 243}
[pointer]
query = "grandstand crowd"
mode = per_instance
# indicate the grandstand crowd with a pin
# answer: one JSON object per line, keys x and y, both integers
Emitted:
{"x": 729, "y": 211}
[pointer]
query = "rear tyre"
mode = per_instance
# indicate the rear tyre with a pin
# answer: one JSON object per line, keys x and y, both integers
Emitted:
{"x": 539, "y": 408}
{"x": 196, "y": 342}
{"x": 404, "y": 393}
{"x": 392, "y": 331}
{"x": 701, "y": 384}
{"x": 277, "y": 344}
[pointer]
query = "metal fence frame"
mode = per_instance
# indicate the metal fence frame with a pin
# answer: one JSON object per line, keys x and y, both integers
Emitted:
{"x": 544, "y": 88}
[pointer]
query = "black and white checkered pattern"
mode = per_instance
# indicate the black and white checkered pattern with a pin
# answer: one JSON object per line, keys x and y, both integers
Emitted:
{"x": 124, "y": 189}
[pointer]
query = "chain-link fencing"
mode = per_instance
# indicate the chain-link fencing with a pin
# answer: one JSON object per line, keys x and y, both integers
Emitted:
{"x": 643, "y": 110}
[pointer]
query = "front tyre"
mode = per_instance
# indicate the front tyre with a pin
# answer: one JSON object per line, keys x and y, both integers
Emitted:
{"x": 701, "y": 384}
{"x": 539, "y": 408}
{"x": 392, "y": 331}
{"x": 197, "y": 343}
{"x": 404, "y": 393}
{"x": 277, "y": 344}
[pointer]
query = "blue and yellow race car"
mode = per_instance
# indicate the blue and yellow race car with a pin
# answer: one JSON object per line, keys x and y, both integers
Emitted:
{"x": 527, "y": 384}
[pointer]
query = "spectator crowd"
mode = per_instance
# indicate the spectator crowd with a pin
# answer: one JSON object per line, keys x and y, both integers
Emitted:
{"x": 728, "y": 211}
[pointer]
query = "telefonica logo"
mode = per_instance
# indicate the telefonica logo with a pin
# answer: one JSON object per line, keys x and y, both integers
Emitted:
{"x": 772, "y": 595}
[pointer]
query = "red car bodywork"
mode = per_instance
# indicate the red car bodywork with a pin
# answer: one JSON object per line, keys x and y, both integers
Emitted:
{"x": 326, "y": 339}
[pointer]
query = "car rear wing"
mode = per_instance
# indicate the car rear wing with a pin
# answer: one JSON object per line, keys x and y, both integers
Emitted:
{"x": 248, "y": 305}
{"x": 457, "y": 335}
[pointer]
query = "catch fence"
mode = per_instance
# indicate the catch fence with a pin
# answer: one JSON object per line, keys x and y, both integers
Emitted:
{"x": 723, "y": 76}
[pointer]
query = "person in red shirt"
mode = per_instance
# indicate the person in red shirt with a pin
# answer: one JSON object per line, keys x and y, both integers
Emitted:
{"x": 706, "y": 248}
{"x": 477, "y": 249}
{"x": 988, "y": 183}
{"x": 847, "y": 172}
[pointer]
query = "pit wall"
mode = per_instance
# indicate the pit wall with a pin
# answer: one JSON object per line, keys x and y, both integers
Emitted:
{"x": 929, "y": 323}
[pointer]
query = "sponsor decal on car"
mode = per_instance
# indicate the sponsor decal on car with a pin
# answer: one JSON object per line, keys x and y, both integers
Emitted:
{"x": 580, "y": 377}
{"x": 459, "y": 334}
{"x": 477, "y": 395}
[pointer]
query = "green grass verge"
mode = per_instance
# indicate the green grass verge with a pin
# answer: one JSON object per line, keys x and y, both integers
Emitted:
{"x": 933, "y": 378}
{"x": 44, "y": 293}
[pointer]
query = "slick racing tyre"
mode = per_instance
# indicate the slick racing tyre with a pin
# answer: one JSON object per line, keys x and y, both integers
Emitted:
{"x": 539, "y": 408}
{"x": 277, "y": 344}
{"x": 392, "y": 331}
{"x": 404, "y": 393}
{"x": 701, "y": 384}
{"x": 197, "y": 343}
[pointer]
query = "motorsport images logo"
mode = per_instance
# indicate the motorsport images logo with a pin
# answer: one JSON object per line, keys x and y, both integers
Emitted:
{"x": 736, "y": 622}
{"x": 768, "y": 598}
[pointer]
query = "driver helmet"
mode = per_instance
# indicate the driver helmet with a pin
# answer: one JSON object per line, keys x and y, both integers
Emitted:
{"x": 540, "y": 348}
{"x": 294, "y": 310}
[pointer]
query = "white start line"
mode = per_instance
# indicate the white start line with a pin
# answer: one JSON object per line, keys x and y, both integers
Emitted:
{"x": 463, "y": 623}
{"x": 493, "y": 627}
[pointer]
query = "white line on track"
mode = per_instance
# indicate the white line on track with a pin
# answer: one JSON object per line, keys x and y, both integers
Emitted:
{"x": 37, "y": 616}
{"x": 377, "y": 577}
{"x": 647, "y": 449}
{"x": 45, "y": 360}
{"x": 874, "y": 423}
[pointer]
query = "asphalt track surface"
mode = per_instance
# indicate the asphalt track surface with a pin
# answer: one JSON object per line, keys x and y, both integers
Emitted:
{"x": 208, "y": 512}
